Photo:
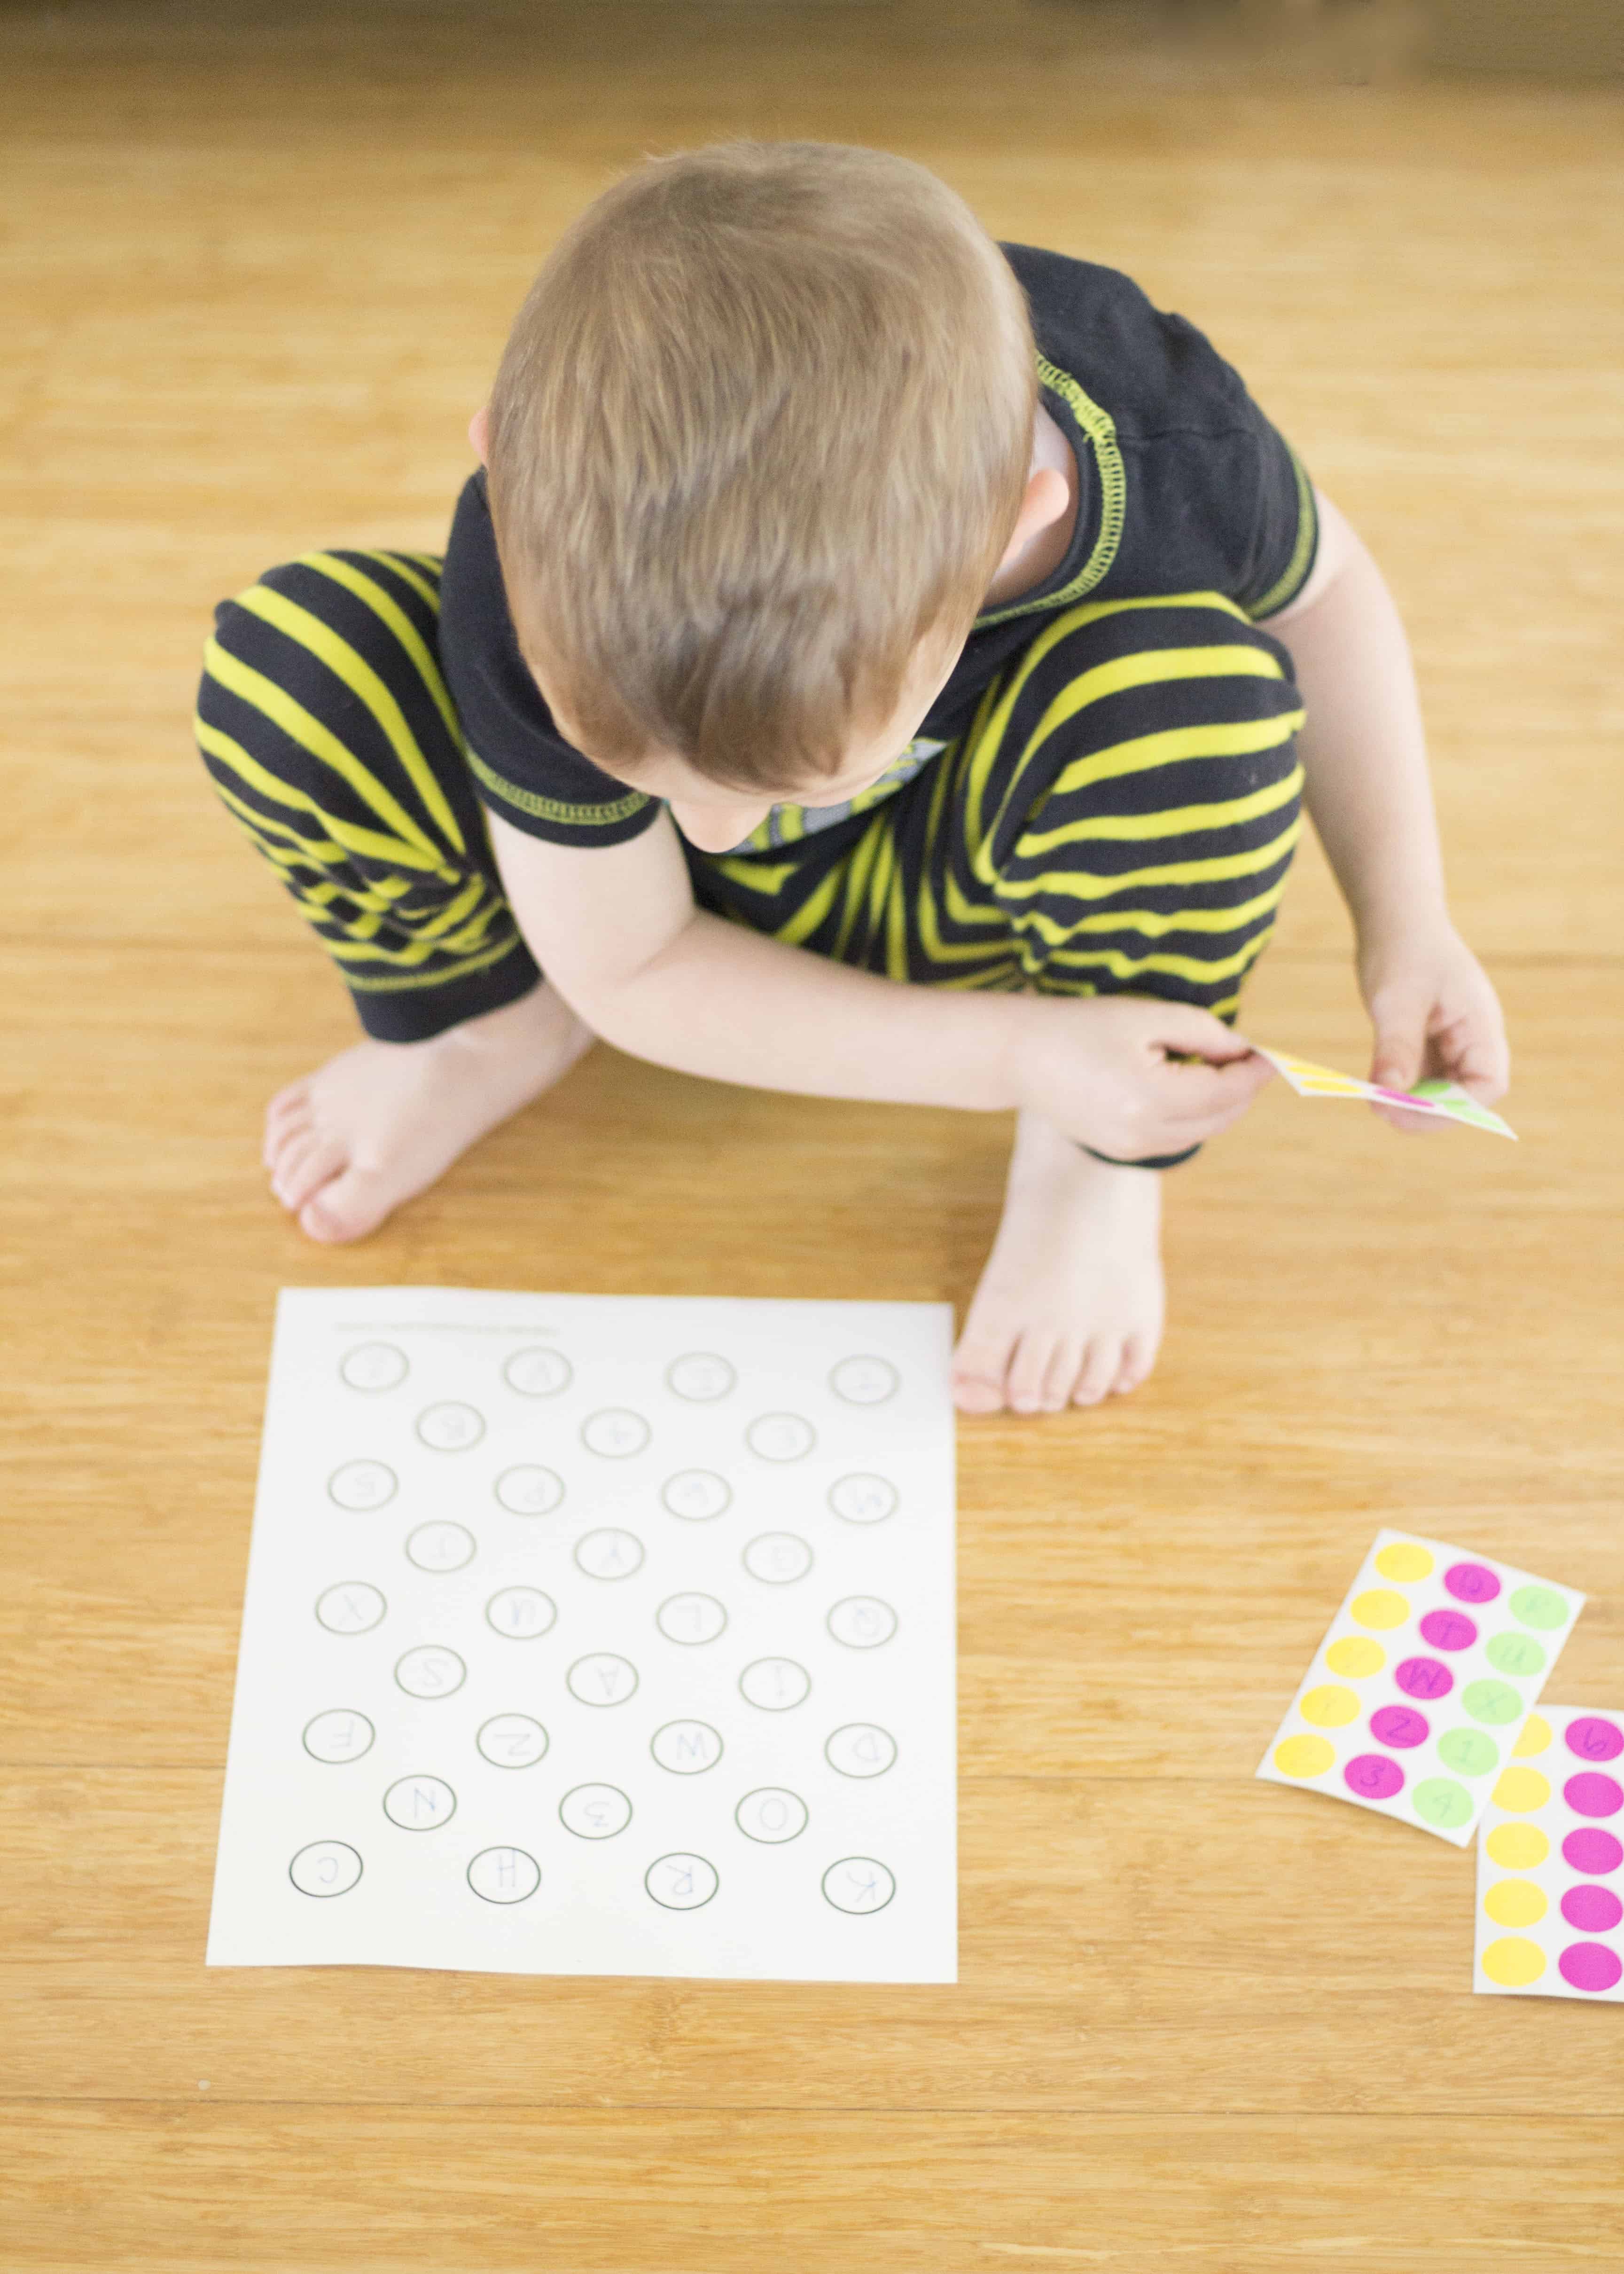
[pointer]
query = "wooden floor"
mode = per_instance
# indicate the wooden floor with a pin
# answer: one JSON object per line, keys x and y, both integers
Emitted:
{"x": 256, "y": 275}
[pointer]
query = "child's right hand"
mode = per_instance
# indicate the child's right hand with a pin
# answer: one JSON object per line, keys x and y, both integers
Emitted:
{"x": 1131, "y": 1077}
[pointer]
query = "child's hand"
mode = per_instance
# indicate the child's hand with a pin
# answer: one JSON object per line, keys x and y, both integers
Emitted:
{"x": 1133, "y": 1078}
{"x": 1435, "y": 1013}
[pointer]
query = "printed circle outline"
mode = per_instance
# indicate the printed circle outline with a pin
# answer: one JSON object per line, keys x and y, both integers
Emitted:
{"x": 443, "y": 1406}
{"x": 363, "y": 1506}
{"x": 683, "y": 1856}
{"x": 614, "y": 1831}
{"x": 423, "y": 1779}
{"x": 701, "y": 1397}
{"x": 441, "y": 1523}
{"x": 430, "y": 1696}
{"x": 615, "y": 1415}
{"x": 529, "y": 1721}
{"x": 864, "y": 1358}
{"x": 338, "y": 1760}
{"x": 772, "y": 1792}
{"x": 590, "y": 1657}
{"x": 557, "y": 1362}
{"x": 863, "y": 1728}
{"x": 875, "y": 1910}
{"x": 325, "y": 1895}
{"x": 364, "y": 1587}
{"x": 706, "y": 1515}
{"x": 521, "y": 1634}
{"x": 370, "y": 1351}
{"x": 864, "y": 1477}
{"x": 603, "y": 1533}
{"x": 503, "y": 1848}
{"x": 689, "y": 1641}
{"x": 553, "y": 1490}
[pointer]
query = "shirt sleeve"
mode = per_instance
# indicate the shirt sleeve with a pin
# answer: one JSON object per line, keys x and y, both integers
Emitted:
{"x": 522, "y": 766}
{"x": 1217, "y": 500}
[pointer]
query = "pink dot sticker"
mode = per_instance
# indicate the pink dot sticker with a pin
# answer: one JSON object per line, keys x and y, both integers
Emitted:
{"x": 1593, "y": 1794}
{"x": 1374, "y": 1777}
{"x": 1449, "y": 1630}
{"x": 1593, "y": 1910}
{"x": 1424, "y": 1677}
{"x": 1594, "y": 1739}
{"x": 1471, "y": 1583}
{"x": 1594, "y": 1851}
{"x": 1589, "y": 1966}
{"x": 1400, "y": 1726}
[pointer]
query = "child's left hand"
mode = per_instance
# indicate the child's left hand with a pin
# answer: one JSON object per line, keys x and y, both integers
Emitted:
{"x": 1435, "y": 1013}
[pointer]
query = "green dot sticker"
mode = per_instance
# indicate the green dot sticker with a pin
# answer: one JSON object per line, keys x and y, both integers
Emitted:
{"x": 1516, "y": 1653}
{"x": 1469, "y": 1753}
{"x": 1440, "y": 1801}
{"x": 1539, "y": 1607}
{"x": 1493, "y": 1702}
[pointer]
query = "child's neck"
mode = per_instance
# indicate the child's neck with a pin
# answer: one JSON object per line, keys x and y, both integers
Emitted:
{"x": 1043, "y": 554}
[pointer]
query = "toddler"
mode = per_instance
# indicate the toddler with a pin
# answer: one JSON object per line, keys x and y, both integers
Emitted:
{"x": 872, "y": 662}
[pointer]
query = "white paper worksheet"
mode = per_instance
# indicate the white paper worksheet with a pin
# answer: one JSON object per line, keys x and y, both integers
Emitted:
{"x": 598, "y": 1635}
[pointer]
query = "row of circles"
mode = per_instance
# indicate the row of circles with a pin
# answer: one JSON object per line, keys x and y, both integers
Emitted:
{"x": 772, "y": 1815}
{"x": 1513, "y": 1962}
{"x": 1357, "y": 1657}
{"x": 602, "y": 1677}
{"x": 1383, "y": 1607}
{"x": 354, "y": 1607}
{"x": 699, "y": 1377}
{"x": 529, "y": 1490}
{"x": 517, "y": 1740}
{"x": 776, "y": 1558}
{"x": 857, "y": 1885}
{"x": 1408, "y": 1561}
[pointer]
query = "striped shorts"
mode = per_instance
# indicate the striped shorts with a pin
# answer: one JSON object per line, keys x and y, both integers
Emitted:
{"x": 1118, "y": 816}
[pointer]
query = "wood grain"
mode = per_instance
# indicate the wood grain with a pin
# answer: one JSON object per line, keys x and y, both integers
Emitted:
{"x": 259, "y": 273}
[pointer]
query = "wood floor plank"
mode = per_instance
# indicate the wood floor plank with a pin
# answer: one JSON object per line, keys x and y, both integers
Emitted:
{"x": 256, "y": 270}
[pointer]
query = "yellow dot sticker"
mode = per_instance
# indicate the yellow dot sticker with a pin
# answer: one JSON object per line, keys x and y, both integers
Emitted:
{"x": 1380, "y": 1607}
{"x": 1520, "y": 1790}
{"x": 1512, "y": 1962}
{"x": 1518, "y": 1847}
{"x": 1515, "y": 1902}
{"x": 1404, "y": 1560}
{"x": 1304, "y": 1756}
{"x": 1535, "y": 1737}
{"x": 1356, "y": 1655}
{"x": 1329, "y": 1706}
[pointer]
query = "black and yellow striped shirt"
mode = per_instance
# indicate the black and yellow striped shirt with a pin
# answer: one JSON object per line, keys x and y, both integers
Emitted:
{"x": 1184, "y": 486}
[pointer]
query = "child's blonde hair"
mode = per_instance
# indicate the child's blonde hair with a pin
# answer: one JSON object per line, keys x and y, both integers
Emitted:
{"x": 763, "y": 424}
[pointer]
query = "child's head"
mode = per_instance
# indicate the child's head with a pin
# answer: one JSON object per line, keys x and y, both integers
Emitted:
{"x": 758, "y": 441}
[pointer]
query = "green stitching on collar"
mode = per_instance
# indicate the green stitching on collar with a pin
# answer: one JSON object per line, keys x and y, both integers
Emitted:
{"x": 1100, "y": 428}
{"x": 550, "y": 808}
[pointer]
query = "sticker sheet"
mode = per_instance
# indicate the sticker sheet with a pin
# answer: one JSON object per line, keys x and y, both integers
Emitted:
{"x": 598, "y": 1635}
{"x": 1416, "y": 1697}
{"x": 1445, "y": 1099}
{"x": 1551, "y": 1863}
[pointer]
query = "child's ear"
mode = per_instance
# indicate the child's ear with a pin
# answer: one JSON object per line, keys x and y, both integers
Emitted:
{"x": 479, "y": 433}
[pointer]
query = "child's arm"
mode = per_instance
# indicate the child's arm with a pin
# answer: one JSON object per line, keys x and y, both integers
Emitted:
{"x": 616, "y": 930}
{"x": 1433, "y": 1010}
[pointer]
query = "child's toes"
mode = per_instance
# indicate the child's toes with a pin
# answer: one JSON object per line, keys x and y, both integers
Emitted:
{"x": 980, "y": 1366}
{"x": 1028, "y": 1372}
{"x": 302, "y": 1167}
{"x": 1139, "y": 1355}
{"x": 288, "y": 1105}
{"x": 1098, "y": 1371}
{"x": 1063, "y": 1365}
{"x": 348, "y": 1206}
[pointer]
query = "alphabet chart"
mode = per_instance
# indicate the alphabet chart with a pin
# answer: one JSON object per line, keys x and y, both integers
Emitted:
{"x": 598, "y": 1635}
{"x": 1418, "y": 1695}
{"x": 1551, "y": 1863}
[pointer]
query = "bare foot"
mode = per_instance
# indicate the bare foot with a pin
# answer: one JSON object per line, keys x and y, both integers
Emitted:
{"x": 380, "y": 1122}
{"x": 1070, "y": 1306}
